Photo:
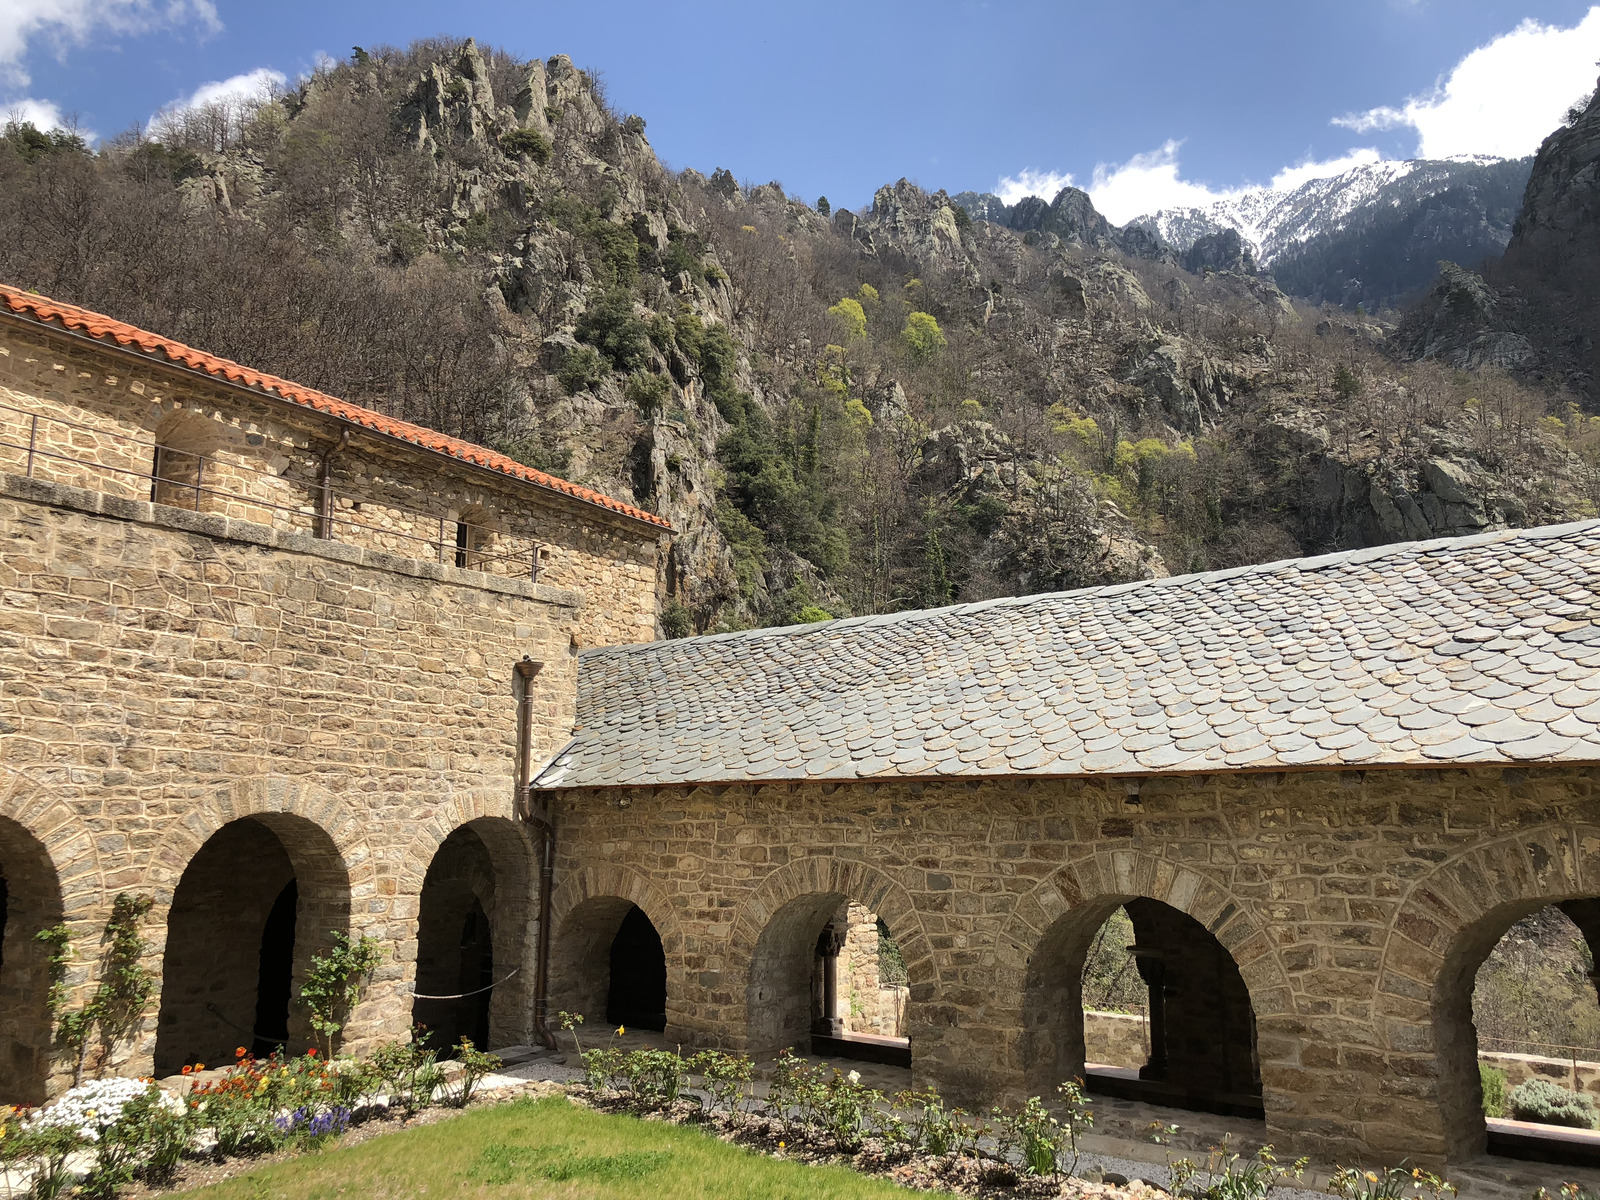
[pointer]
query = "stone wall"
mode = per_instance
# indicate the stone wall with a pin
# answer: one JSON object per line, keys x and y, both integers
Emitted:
{"x": 1115, "y": 1039}
{"x": 165, "y": 674}
{"x": 1356, "y": 906}
{"x": 1520, "y": 1068}
{"x": 869, "y": 1005}
{"x": 93, "y": 419}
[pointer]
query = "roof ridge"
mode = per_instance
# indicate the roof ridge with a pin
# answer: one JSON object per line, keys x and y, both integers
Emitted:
{"x": 74, "y": 319}
{"x": 1313, "y": 563}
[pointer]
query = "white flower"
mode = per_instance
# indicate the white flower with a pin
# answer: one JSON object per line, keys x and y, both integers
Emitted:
{"x": 854, "y": 1077}
{"x": 90, "y": 1108}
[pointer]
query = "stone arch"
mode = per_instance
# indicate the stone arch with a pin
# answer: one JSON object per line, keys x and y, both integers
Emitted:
{"x": 586, "y": 912}
{"x": 1040, "y": 955}
{"x": 30, "y": 901}
{"x": 487, "y": 861}
{"x": 1447, "y": 923}
{"x": 772, "y": 943}
{"x": 259, "y": 896}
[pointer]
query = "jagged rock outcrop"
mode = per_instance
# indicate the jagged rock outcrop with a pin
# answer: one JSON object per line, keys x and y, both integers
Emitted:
{"x": 1224, "y": 250}
{"x": 1557, "y": 227}
{"x": 1464, "y": 323}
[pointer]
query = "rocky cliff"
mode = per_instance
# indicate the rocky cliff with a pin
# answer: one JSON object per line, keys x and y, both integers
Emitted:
{"x": 853, "y": 412}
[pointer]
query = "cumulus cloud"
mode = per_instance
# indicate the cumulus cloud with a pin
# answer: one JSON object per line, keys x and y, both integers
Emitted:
{"x": 65, "y": 23}
{"x": 1028, "y": 182}
{"x": 41, "y": 114}
{"x": 1154, "y": 180}
{"x": 1502, "y": 99}
{"x": 249, "y": 88}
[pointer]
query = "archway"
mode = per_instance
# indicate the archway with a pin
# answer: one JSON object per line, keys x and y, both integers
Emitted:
{"x": 254, "y": 904}
{"x": 475, "y": 923}
{"x": 1198, "y": 1040}
{"x": 609, "y": 963}
{"x": 30, "y": 901}
{"x": 1516, "y": 1013}
{"x": 817, "y": 982}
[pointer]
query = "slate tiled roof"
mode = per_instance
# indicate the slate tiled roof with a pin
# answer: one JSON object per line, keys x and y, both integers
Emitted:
{"x": 1471, "y": 650}
{"x": 101, "y": 328}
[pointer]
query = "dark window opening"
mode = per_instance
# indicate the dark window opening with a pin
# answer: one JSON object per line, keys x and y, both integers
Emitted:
{"x": 463, "y": 543}
{"x": 276, "y": 973}
{"x": 638, "y": 993}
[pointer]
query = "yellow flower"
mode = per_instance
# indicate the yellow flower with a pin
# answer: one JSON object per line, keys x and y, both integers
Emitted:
{"x": 1371, "y": 1178}
{"x": 621, "y": 1029}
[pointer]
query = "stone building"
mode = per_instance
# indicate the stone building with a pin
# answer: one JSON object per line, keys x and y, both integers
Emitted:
{"x": 270, "y": 677}
{"x": 266, "y": 657}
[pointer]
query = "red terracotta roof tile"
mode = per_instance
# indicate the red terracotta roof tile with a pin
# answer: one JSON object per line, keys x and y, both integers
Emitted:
{"x": 99, "y": 326}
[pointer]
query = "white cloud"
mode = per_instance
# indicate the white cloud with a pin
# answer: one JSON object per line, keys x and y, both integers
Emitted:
{"x": 41, "y": 114}
{"x": 249, "y": 88}
{"x": 1504, "y": 98}
{"x": 1151, "y": 181}
{"x": 1029, "y": 182}
{"x": 66, "y": 23}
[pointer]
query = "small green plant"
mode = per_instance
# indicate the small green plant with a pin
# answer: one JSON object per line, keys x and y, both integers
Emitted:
{"x": 1032, "y": 1134}
{"x": 472, "y": 1065}
{"x": 335, "y": 982}
{"x": 1548, "y": 1103}
{"x": 1227, "y": 1175}
{"x": 408, "y": 1070}
{"x": 655, "y": 1078}
{"x": 844, "y": 1106}
{"x": 1388, "y": 1183}
{"x": 726, "y": 1079}
{"x": 930, "y": 1126}
{"x": 1493, "y": 1080}
{"x": 124, "y": 990}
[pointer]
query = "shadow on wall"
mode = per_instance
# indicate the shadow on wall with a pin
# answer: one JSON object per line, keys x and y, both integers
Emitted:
{"x": 30, "y": 901}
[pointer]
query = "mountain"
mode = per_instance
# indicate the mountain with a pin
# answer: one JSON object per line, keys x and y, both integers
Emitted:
{"x": 1371, "y": 236}
{"x": 1536, "y": 309}
{"x": 854, "y": 412}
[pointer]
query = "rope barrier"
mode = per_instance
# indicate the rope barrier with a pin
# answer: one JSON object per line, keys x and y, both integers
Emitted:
{"x": 464, "y": 995}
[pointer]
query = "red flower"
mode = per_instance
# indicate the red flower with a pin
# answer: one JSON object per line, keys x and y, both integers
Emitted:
{"x": 311, "y": 1053}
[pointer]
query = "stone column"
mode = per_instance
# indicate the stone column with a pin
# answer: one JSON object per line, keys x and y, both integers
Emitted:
{"x": 826, "y": 1019}
{"x": 1152, "y": 967}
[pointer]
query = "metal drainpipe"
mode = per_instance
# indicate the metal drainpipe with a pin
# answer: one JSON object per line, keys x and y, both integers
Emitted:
{"x": 537, "y": 809}
{"x": 325, "y": 483}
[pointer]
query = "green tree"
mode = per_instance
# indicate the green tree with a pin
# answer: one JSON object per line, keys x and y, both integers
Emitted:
{"x": 851, "y": 316}
{"x": 922, "y": 336}
{"x": 824, "y": 207}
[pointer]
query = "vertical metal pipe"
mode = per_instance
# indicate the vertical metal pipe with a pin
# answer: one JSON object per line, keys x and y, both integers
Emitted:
{"x": 539, "y": 811}
{"x": 33, "y": 441}
{"x": 199, "y": 478}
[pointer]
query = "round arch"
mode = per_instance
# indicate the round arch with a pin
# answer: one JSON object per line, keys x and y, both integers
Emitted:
{"x": 586, "y": 914}
{"x": 482, "y": 871}
{"x": 1448, "y": 922}
{"x": 256, "y": 901}
{"x": 30, "y": 901}
{"x": 772, "y": 943}
{"x": 1041, "y": 950}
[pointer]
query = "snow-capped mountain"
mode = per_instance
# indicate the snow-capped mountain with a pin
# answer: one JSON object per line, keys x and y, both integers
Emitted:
{"x": 1275, "y": 221}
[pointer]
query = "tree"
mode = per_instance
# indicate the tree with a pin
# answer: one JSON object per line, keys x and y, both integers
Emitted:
{"x": 824, "y": 207}
{"x": 849, "y": 313}
{"x": 922, "y": 336}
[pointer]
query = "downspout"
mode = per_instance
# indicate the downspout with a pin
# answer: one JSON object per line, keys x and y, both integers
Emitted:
{"x": 325, "y": 486}
{"x": 536, "y": 808}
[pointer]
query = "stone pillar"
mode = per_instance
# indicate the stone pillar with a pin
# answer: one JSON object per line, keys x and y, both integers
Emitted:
{"x": 1152, "y": 969}
{"x": 826, "y": 1012}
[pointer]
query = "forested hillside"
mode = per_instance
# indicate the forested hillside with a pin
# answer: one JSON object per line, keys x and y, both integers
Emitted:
{"x": 841, "y": 412}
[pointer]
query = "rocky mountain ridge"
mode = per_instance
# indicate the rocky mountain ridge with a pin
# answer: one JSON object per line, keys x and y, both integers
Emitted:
{"x": 842, "y": 413}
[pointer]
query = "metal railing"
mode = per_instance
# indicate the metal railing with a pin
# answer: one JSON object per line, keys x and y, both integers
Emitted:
{"x": 1571, "y": 1054}
{"x": 469, "y": 545}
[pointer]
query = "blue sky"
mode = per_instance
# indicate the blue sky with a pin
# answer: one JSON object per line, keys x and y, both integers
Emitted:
{"x": 836, "y": 99}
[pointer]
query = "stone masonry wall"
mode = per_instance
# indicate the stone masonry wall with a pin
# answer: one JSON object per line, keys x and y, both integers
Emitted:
{"x": 101, "y": 414}
{"x": 164, "y": 673}
{"x": 1353, "y": 903}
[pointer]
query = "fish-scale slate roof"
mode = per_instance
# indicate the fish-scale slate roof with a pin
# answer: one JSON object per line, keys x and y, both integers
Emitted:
{"x": 16, "y": 302}
{"x": 1470, "y": 650}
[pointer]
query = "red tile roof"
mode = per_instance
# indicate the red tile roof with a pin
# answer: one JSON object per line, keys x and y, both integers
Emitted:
{"x": 99, "y": 326}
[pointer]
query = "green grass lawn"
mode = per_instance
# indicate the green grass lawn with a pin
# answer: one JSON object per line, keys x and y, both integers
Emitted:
{"x": 546, "y": 1148}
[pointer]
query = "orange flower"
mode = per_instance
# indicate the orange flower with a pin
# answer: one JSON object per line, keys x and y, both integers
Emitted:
{"x": 240, "y": 1052}
{"x": 186, "y": 1070}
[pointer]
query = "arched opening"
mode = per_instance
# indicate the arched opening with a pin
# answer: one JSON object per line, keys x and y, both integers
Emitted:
{"x": 1518, "y": 1028}
{"x": 827, "y": 974}
{"x": 473, "y": 925}
{"x": 253, "y": 906}
{"x": 181, "y": 461}
{"x": 1190, "y": 1037}
{"x": 30, "y": 901}
{"x": 609, "y": 963}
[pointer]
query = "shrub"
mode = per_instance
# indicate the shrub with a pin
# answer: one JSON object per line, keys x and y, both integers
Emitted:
{"x": 677, "y": 622}
{"x": 1493, "y": 1080}
{"x": 851, "y": 316}
{"x": 611, "y": 327}
{"x": 582, "y": 368}
{"x": 655, "y": 1078}
{"x": 1230, "y": 1176}
{"x": 922, "y": 336}
{"x": 1548, "y": 1103}
{"x": 725, "y": 1077}
{"x": 408, "y": 1070}
{"x": 931, "y": 1127}
{"x": 473, "y": 1064}
{"x": 335, "y": 981}
{"x": 526, "y": 143}
{"x": 844, "y": 1104}
{"x": 648, "y": 391}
